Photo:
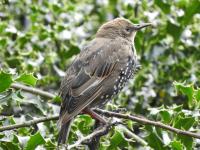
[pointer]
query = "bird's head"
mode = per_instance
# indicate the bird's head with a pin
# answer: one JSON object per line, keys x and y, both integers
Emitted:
{"x": 120, "y": 27}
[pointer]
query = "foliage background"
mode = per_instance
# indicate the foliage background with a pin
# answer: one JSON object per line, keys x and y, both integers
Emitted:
{"x": 42, "y": 37}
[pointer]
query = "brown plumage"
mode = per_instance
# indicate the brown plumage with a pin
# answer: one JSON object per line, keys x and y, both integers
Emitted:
{"x": 99, "y": 72}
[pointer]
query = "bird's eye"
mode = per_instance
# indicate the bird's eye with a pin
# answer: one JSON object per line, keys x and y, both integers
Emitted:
{"x": 128, "y": 30}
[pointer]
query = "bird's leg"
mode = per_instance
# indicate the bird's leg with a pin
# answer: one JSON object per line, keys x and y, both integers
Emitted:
{"x": 94, "y": 115}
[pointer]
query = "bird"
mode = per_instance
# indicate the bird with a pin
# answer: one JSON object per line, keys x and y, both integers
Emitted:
{"x": 99, "y": 72}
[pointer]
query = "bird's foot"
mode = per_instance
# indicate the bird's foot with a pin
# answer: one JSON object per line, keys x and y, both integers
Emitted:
{"x": 94, "y": 115}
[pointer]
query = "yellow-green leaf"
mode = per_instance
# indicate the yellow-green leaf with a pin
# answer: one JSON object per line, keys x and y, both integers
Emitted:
{"x": 27, "y": 78}
{"x": 5, "y": 81}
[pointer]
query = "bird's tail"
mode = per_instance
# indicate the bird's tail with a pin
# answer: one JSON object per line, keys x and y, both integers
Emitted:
{"x": 64, "y": 132}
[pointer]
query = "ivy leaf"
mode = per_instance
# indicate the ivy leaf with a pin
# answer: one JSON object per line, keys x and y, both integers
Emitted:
{"x": 176, "y": 145}
{"x": 72, "y": 51}
{"x": 85, "y": 122}
{"x": 165, "y": 7}
{"x": 155, "y": 141}
{"x": 34, "y": 141}
{"x": 5, "y": 81}
{"x": 192, "y": 94}
{"x": 117, "y": 139}
{"x": 166, "y": 116}
{"x": 3, "y": 43}
{"x": 197, "y": 95}
{"x": 174, "y": 30}
{"x": 50, "y": 145}
{"x": 27, "y": 78}
{"x": 186, "y": 141}
{"x": 185, "y": 123}
{"x": 9, "y": 145}
{"x": 178, "y": 108}
{"x": 188, "y": 90}
{"x": 191, "y": 10}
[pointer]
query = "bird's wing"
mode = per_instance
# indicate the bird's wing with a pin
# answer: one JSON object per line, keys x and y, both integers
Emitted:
{"x": 83, "y": 86}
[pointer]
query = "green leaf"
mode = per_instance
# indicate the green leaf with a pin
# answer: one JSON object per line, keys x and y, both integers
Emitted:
{"x": 3, "y": 26}
{"x": 85, "y": 122}
{"x": 117, "y": 140}
{"x": 185, "y": 123}
{"x": 9, "y": 145}
{"x": 3, "y": 43}
{"x": 191, "y": 10}
{"x": 27, "y": 78}
{"x": 165, "y": 116}
{"x": 174, "y": 30}
{"x": 164, "y": 6}
{"x": 72, "y": 51}
{"x": 187, "y": 141}
{"x": 5, "y": 81}
{"x": 57, "y": 99}
{"x": 15, "y": 139}
{"x": 155, "y": 141}
{"x": 188, "y": 90}
{"x": 176, "y": 145}
{"x": 2, "y": 135}
{"x": 11, "y": 120}
{"x": 197, "y": 95}
{"x": 178, "y": 108}
{"x": 34, "y": 141}
{"x": 49, "y": 145}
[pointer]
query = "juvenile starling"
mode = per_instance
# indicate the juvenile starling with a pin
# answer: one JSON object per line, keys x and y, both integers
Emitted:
{"x": 99, "y": 72}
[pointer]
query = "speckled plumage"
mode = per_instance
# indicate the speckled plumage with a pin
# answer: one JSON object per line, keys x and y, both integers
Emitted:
{"x": 99, "y": 72}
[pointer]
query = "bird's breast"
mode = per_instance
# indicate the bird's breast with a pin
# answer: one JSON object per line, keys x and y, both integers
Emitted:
{"x": 125, "y": 73}
{"x": 117, "y": 82}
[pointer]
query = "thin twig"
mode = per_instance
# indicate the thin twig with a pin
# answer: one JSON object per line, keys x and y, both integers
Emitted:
{"x": 131, "y": 134}
{"x": 28, "y": 123}
{"x": 95, "y": 142}
{"x": 33, "y": 90}
{"x": 97, "y": 133}
{"x": 145, "y": 121}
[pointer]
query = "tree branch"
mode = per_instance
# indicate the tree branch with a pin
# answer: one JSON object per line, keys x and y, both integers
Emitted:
{"x": 141, "y": 120}
{"x": 145, "y": 121}
{"x": 33, "y": 90}
{"x": 28, "y": 123}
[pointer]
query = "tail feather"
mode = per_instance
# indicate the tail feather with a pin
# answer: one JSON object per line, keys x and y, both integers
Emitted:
{"x": 64, "y": 132}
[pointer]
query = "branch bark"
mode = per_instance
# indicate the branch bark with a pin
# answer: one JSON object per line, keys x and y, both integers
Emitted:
{"x": 134, "y": 136}
{"x": 33, "y": 90}
{"x": 98, "y": 133}
{"x": 28, "y": 123}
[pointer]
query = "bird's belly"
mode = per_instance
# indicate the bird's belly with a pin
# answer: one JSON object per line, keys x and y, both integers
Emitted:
{"x": 115, "y": 84}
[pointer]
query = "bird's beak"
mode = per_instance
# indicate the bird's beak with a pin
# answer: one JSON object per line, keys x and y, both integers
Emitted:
{"x": 140, "y": 26}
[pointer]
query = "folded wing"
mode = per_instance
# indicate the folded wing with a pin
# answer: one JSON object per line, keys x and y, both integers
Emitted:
{"x": 85, "y": 79}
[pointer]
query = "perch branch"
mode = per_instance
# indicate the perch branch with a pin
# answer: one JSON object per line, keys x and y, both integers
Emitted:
{"x": 145, "y": 121}
{"x": 141, "y": 120}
